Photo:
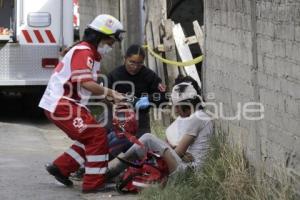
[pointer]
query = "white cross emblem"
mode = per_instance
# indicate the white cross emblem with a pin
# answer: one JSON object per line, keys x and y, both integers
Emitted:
{"x": 78, "y": 122}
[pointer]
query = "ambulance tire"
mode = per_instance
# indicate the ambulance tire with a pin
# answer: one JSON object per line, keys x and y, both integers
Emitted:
{"x": 30, "y": 105}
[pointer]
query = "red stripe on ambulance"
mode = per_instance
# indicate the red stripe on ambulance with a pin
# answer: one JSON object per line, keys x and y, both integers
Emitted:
{"x": 50, "y": 36}
{"x": 27, "y": 36}
{"x": 38, "y": 36}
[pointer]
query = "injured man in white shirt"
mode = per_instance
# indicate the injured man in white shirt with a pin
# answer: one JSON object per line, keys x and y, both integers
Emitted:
{"x": 187, "y": 137}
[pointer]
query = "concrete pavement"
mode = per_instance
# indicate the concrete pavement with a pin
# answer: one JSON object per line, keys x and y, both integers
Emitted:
{"x": 26, "y": 145}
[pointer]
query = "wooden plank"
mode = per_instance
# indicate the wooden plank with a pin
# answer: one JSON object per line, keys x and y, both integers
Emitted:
{"x": 199, "y": 34}
{"x": 155, "y": 14}
{"x": 149, "y": 38}
{"x": 170, "y": 53}
{"x": 156, "y": 42}
{"x": 172, "y": 70}
{"x": 185, "y": 52}
{"x": 192, "y": 40}
{"x": 159, "y": 64}
{"x": 189, "y": 40}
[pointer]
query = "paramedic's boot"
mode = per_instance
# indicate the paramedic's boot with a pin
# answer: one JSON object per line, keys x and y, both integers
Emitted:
{"x": 54, "y": 171}
{"x": 115, "y": 167}
{"x": 78, "y": 175}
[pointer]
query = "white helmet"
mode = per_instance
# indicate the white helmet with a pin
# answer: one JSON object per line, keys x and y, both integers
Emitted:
{"x": 108, "y": 25}
{"x": 183, "y": 91}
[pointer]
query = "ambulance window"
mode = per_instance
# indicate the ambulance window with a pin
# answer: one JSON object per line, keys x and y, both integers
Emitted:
{"x": 39, "y": 19}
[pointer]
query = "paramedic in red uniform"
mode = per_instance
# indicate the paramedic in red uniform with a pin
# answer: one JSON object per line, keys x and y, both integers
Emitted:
{"x": 67, "y": 93}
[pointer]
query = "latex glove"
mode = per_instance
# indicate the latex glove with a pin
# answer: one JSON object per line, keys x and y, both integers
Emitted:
{"x": 142, "y": 103}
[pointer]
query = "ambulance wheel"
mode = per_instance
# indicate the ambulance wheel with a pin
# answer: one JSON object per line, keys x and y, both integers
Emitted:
{"x": 30, "y": 105}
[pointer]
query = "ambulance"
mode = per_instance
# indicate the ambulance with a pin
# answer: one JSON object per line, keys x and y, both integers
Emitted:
{"x": 32, "y": 34}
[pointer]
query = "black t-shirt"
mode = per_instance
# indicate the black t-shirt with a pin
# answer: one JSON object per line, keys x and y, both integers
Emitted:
{"x": 145, "y": 83}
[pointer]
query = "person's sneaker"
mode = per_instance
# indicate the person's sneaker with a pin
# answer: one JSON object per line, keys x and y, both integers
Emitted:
{"x": 54, "y": 171}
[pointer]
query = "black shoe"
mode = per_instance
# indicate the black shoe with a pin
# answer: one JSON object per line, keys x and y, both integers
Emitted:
{"x": 78, "y": 175}
{"x": 54, "y": 171}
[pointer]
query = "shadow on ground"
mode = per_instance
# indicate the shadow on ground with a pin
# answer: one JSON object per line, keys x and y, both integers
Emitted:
{"x": 19, "y": 110}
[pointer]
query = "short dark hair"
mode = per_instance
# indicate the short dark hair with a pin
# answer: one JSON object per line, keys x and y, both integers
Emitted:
{"x": 135, "y": 49}
{"x": 90, "y": 36}
{"x": 93, "y": 37}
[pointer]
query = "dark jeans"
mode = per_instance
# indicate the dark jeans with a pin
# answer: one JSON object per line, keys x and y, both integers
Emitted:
{"x": 118, "y": 145}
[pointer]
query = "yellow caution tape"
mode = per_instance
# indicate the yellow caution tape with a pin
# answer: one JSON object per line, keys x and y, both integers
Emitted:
{"x": 172, "y": 62}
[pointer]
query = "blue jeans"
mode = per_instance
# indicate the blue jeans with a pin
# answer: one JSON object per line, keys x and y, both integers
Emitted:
{"x": 117, "y": 145}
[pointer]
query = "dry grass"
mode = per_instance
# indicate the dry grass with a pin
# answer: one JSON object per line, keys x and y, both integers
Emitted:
{"x": 226, "y": 175}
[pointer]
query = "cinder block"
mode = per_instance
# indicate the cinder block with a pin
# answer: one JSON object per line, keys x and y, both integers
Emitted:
{"x": 293, "y": 50}
{"x": 277, "y": 153}
{"x": 247, "y": 6}
{"x": 224, "y": 18}
{"x": 264, "y": 10}
{"x": 285, "y": 31}
{"x": 216, "y": 17}
{"x": 297, "y": 33}
{"x": 216, "y": 4}
{"x": 282, "y": 67}
{"x": 266, "y": 27}
{"x": 238, "y": 135}
{"x": 247, "y": 26}
{"x": 270, "y": 98}
{"x": 283, "y": 12}
{"x": 231, "y": 6}
{"x": 290, "y": 88}
{"x": 269, "y": 67}
{"x": 264, "y": 45}
{"x": 224, "y": 6}
{"x": 231, "y": 19}
{"x": 269, "y": 81}
{"x": 295, "y": 70}
{"x": 244, "y": 39}
{"x": 281, "y": 137}
{"x": 289, "y": 123}
{"x": 292, "y": 107}
{"x": 296, "y": 14}
{"x": 239, "y": 20}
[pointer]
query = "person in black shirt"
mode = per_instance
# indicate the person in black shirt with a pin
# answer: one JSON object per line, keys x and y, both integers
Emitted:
{"x": 134, "y": 78}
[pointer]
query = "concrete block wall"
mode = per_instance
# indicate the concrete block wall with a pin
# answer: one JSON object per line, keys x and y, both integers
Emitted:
{"x": 252, "y": 53}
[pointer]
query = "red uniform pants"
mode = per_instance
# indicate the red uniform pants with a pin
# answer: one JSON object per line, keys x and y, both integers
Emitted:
{"x": 90, "y": 147}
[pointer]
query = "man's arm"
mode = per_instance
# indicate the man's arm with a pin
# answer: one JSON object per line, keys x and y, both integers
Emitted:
{"x": 97, "y": 89}
{"x": 184, "y": 144}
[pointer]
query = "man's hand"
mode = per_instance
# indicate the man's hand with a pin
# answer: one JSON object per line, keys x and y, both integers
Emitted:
{"x": 97, "y": 89}
{"x": 187, "y": 157}
{"x": 117, "y": 97}
{"x": 161, "y": 87}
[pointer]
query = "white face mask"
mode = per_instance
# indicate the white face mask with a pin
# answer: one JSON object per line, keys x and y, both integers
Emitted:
{"x": 104, "y": 49}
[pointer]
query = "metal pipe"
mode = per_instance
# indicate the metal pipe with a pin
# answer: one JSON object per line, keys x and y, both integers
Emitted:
{"x": 21, "y": 12}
